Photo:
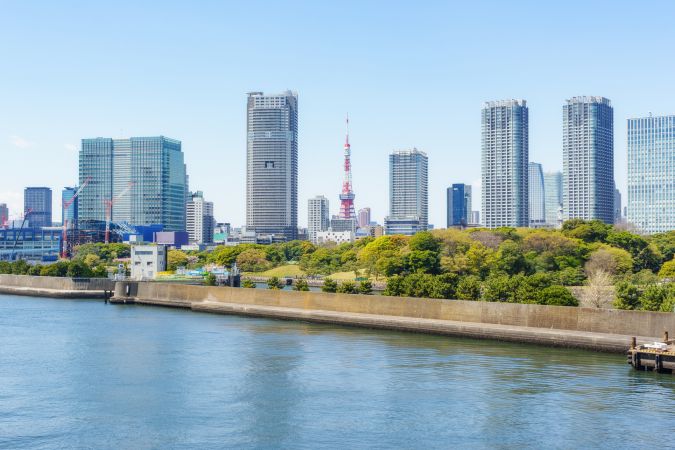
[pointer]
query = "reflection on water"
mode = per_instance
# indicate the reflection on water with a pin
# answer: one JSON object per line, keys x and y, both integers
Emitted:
{"x": 81, "y": 374}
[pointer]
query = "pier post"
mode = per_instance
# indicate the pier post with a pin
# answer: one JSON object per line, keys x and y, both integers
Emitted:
{"x": 665, "y": 336}
{"x": 633, "y": 342}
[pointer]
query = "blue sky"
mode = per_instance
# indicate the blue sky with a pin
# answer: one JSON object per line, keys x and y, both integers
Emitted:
{"x": 408, "y": 73}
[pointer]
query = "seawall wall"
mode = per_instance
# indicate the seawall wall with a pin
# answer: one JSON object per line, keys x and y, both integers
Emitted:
{"x": 55, "y": 286}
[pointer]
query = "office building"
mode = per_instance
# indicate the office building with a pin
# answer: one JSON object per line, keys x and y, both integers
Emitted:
{"x": 408, "y": 192}
{"x": 536, "y": 196}
{"x": 651, "y": 174}
{"x": 458, "y": 204}
{"x": 37, "y": 204}
{"x": 144, "y": 177}
{"x": 588, "y": 159}
{"x": 475, "y": 217}
{"x": 4, "y": 215}
{"x": 69, "y": 207}
{"x": 339, "y": 224}
{"x": 318, "y": 217}
{"x": 364, "y": 217}
{"x": 272, "y": 165}
{"x": 553, "y": 198}
{"x": 199, "y": 219}
{"x": 617, "y": 206}
{"x": 504, "y": 165}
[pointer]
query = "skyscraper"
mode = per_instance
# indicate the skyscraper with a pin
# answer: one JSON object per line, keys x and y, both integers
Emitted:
{"x": 588, "y": 159}
{"x": 199, "y": 219}
{"x": 408, "y": 192}
{"x": 37, "y": 202}
{"x": 364, "y": 217}
{"x": 318, "y": 217}
{"x": 4, "y": 214}
{"x": 69, "y": 205}
{"x": 458, "y": 205}
{"x": 553, "y": 198}
{"x": 651, "y": 173}
{"x": 272, "y": 164}
{"x": 617, "y": 206}
{"x": 536, "y": 196}
{"x": 143, "y": 176}
{"x": 504, "y": 166}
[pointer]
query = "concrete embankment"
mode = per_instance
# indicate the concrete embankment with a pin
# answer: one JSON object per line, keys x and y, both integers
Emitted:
{"x": 595, "y": 329}
{"x": 56, "y": 286}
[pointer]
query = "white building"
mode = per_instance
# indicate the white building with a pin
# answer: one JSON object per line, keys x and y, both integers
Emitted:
{"x": 408, "y": 192}
{"x": 337, "y": 237}
{"x": 147, "y": 261}
{"x": 199, "y": 218}
{"x": 318, "y": 218}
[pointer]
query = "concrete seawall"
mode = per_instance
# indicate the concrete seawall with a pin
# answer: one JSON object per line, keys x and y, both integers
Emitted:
{"x": 57, "y": 287}
{"x": 597, "y": 329}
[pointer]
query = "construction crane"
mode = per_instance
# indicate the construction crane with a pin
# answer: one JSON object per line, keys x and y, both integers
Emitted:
{"x": 18, "y": 233}
{"x": 66, "y": 205}
{"x": 108, "y": 210}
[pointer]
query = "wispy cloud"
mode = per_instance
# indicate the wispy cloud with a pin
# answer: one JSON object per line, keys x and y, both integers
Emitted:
{"x": 19, "y": 142}
{"x": 70, "y": 147}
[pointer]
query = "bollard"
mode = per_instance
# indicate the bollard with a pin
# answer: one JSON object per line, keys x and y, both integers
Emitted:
{"x": 633, "y": 343}
{"x": 665, "y": 336}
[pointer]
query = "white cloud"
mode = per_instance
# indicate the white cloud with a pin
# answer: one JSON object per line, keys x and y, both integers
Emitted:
{"x": 19, "y": 142}
{"x": 70, "y": 147}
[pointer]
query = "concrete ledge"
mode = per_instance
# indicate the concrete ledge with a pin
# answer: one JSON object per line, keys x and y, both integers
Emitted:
{"x": 551, "y": 337}
{"x": 54, "y": 293}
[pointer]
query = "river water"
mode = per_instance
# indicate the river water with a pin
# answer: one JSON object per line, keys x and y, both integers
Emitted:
{"x": 82, "y": 374}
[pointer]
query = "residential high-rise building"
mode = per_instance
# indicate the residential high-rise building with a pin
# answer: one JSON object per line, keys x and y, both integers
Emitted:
{"x": 458, "y": 205}
{"x": 69, "y": 205}
{"x": 4, "y": 215}
{"x": 588, "y": 159}
{"x": 199, "y": 219}
{"x": 318, "y": 217}
{"x": 143, "y": 176}
{"x": 553, "y": 198}
{"x": 475, "y": 217}
{"x": 408, "y": 192}
{"x": 37, "y": 203}
{"x": 364, "y": 217}
{"x": 536, "y": 196}
{"x": 272, "y": 164}
{"x": 651, "y": 174}
{"x": 504, "y": 166}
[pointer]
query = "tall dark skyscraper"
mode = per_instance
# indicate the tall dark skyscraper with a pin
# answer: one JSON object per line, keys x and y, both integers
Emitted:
{"x": 458, "y": 205}
{"x": 272, "y": 165}
{"x": 588, "y": 159}
{"x": 38, "y": 202}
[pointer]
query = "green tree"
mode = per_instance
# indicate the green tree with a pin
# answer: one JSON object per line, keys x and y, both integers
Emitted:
{"x": 20, "y": 267}
{"x": 587, "y": 231}
{"x": 627, "y": 296}
{"x": 274, "y": 283}
{"x": 329, "y": 285}
{"x": 210, "y": 279}
{"x": 468, "y": 288}
{"x": 424, "y": 261}
{"x": 668, "y": 269}
{"x": 668, "y": 304}
{"x": 346, "y": 287}
{"x": 253, "y": 260}
{"x": 424, "y": 241}
{"x": 557, "y": 296}
{"x": 78, "y": 269}
{"x": 652, "y": 297}
{"x": 58, "y": 269}
{"x": 497, "y": 288}
{"x": 510, "y": 258}
{"x": 248, "y": 283}
{"x": 300, "y": 285}
{"x": 365, "y": 287}
{"x": 394, "y": 286}
{"x": 176, "y": 259}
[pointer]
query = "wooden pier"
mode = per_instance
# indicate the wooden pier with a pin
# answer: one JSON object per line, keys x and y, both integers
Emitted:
{"x": 658, "y": 356}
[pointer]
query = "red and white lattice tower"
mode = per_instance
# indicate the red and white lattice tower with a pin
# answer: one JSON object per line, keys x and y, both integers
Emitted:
{"x": 347, "y": 196}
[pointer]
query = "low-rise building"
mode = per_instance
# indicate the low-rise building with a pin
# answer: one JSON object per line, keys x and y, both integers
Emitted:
{"x": 147, "y": 261}
{"x": 337, "y": 237}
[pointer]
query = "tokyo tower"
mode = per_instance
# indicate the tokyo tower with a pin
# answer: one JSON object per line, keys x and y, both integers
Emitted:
{"x": 347, "y": 196}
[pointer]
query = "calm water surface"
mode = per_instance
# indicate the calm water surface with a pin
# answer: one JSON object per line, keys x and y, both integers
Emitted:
{"x": 81, "y": 374}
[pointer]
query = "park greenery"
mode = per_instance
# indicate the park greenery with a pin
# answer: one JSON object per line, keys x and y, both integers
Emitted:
{"x": 518, "y": 265}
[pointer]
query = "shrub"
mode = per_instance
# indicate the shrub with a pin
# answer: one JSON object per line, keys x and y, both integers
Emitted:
{"x": 468, "y": 288}
{"x": 557, "y": 296}
{"x": 394, "y": 286}
{"x": 627, "y": 296}
{"x": 329, "y": 285}
{"x": 301, "y": 285}
{"x": 78, "y": 268}
{"x": 210, "y": 279}
{"x": 365, "y": 287}
{"x": 347, "y": 287}
{"x": 248, "y": 283}
{"x": 274, "y": 283}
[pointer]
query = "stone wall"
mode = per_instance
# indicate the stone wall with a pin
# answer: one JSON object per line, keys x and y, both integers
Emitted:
{"x": 629, "y": 323}
{"x": 56, "y": 283}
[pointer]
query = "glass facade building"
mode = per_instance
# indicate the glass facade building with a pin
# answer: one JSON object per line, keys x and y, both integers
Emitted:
{"x": 458, "y": 205}
{"x": 37, "y": 203}
{"x": 588, "y": 159}
{"x": 504, "y": 163}
{"x": 408, "y": 192}
{"x": 69, "y": 213}
{"x": 536, "y": 196}
{"x": 651, "y": 174}
{"x": 553, "y": 198}
{"x": 272, "y": 165}
{"x": 144, "y": 175}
